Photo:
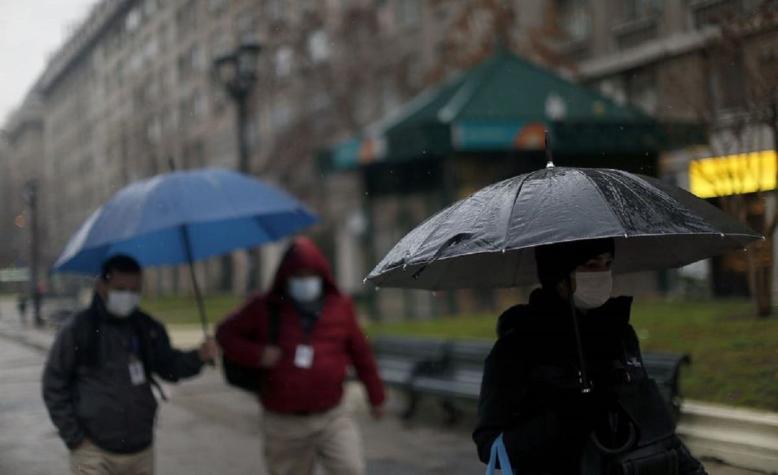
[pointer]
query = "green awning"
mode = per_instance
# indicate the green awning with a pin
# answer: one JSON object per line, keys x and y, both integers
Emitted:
{"x": 502, "y": 104}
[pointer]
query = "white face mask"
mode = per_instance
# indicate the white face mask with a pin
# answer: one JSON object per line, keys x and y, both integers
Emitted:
{"x": 121, "y": 303}
{"x": 305, "y": 289}
{"x": 592, "y": 289}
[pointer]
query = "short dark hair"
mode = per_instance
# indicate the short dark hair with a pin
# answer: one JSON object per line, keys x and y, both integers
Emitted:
{"x": 119, "y": 263}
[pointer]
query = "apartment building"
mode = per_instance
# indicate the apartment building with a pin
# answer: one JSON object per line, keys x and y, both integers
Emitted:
{"x": 132, "y": 92}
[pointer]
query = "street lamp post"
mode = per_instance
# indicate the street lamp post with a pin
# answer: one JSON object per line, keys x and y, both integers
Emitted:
{"x": 31, "y": 198}
{"x": 236, "y": 71}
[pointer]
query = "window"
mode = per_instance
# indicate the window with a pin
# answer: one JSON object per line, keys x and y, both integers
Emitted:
{"x": 247, "y": 24}
{"x": 638, "y": 9}
{"x": 186, "y": 17}
{"x": 274, "y": 9}
{"x": 715, "y": 12}
{"x": 216, "y": 7}
{"x": 284, "y": 61}
{"x": 407, "y": 12}
{"x": 132, "y": 20}
{"x": 318, "y": 46}
{"x": 150, "y": 7}
{"x": 574, "y": 19}
{"x": 193, "y": 60}
{"x": 220, "y": 44}
{"x": 613, "y": 88}
{"x": 281, "y": 113}
{"x": 642, "y": 90}
{"x": 727, "y": 83}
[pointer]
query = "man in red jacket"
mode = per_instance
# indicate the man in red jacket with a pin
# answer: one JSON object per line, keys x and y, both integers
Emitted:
{"x": 318, "y": 337}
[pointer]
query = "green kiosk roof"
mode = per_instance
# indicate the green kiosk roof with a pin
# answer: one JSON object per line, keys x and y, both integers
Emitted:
{"x": 503, "y": 104}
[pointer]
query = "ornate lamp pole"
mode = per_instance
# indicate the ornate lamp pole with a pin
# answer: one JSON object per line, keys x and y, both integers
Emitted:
{"x": 31, "y": 199}
{"x": 236, "y": 71}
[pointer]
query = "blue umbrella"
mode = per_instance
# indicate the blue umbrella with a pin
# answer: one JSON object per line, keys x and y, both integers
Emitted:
{"x": 182, "y": 217}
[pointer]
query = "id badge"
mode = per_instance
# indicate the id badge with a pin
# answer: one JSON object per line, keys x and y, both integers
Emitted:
{"x": 137, "y": 374}
{"x": 303, "y": 356}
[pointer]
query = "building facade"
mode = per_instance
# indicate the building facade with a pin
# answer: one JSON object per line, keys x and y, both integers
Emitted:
{"x": 132, "y": 94}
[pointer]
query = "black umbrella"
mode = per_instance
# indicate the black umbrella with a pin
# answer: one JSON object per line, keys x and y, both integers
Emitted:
{"x": 487, "y": 239}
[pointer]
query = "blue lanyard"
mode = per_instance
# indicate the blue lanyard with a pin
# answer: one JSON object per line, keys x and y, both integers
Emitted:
{"x": 499, "y": 452}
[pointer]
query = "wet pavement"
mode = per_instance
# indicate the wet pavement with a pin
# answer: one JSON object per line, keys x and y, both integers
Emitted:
{"x": 208, "y": 428}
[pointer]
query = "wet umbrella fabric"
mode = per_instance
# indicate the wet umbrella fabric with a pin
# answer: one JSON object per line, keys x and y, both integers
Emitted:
{"x": 487, "y": 240}
{"x": 182, "y": 217}
{"x": 159, "y": 221}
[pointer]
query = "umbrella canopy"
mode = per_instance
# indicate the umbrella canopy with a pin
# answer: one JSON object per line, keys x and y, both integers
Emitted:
{"x": 487, "y": 239}
{"x": 181, "y": 217}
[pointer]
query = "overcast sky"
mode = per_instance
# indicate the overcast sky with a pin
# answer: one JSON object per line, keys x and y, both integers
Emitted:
{"x": 29, "y": 31}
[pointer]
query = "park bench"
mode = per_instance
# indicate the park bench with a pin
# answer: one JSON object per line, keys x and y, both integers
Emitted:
{"x": 452, "y": 371}
{"x": 665, "y": 369}
{"x": 401, "y": 359}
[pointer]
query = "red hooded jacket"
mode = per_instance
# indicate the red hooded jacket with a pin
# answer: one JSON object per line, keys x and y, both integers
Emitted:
{"x": 336, "y": 339}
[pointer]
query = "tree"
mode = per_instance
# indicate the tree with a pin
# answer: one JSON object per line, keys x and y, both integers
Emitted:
{"x": 742, "y": 115}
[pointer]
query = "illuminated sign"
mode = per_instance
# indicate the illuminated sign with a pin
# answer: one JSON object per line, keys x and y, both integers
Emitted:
{"x": 733, "y": 174}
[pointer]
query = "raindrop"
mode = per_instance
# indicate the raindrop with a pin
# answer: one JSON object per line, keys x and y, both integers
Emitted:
{"x": 503, "y": 250}
{"x": 377, "y": 288}
{"x": 364, "y": 281}
{"x": 626, "y": 235}
{"x": 721, "y": 234}
{"x": 405, "y": 266}
{"x": 434, "y": 293}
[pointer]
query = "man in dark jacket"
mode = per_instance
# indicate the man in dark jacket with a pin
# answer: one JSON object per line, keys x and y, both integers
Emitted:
{"x": 533, "y": 393}
{"x": 98, "y": 376}
{"x": 318, "y": 337}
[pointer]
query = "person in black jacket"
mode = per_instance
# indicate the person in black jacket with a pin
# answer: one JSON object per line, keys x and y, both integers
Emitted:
{"x": 533, "y": 389}
{"x": 99, "y": 372}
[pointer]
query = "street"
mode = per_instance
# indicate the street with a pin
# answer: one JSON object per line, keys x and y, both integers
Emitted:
{"x": 209, "y": 428}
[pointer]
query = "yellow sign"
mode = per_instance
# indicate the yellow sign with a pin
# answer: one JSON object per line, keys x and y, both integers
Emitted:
{"x": 733, "y": 174}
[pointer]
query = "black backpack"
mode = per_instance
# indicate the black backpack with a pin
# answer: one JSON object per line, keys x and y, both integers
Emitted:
{"x": 249, "y": 378}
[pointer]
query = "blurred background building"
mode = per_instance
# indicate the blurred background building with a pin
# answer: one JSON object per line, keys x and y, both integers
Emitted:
{"x": 133, "y": 93}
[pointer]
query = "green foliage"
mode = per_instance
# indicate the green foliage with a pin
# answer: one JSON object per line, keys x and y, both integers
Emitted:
{"x": 183, "y": 310}
{"x": 734, "y": 354}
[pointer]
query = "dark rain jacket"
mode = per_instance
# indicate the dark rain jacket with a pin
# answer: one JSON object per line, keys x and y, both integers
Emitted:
{"x": 531, "y": 391}
{"x": 336, "y": 338}
{"x": 86, "y": 382}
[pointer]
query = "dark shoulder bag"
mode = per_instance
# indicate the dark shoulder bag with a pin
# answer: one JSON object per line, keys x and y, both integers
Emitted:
{"x": 636, "y": 435}
{"x": 250, "y": 378}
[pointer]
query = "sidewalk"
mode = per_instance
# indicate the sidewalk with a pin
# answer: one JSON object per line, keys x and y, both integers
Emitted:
{"x": 208, "y": 427}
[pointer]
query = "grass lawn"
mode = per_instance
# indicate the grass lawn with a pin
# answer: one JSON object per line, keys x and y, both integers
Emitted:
{"x": 734, "y": 354}
{"x": 178, "y": 310}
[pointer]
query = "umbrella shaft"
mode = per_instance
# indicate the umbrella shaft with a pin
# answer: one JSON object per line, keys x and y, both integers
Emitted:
{"x": 198, "y": 296}
{"x": 585, "y": 383}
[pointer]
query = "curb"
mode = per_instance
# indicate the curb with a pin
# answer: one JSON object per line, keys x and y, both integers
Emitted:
{"x": 739, "y": 437}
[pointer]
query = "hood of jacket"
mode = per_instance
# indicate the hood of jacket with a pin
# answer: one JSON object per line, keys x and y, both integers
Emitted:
{"x": 301, "y": 254}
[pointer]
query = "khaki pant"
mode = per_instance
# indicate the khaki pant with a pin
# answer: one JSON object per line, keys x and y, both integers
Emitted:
{"x": 88, "y": 459}
{"x": 294, "y": 444}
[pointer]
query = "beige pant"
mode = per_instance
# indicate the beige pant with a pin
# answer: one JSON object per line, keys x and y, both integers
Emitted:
{"x": 88, "y": 459}
{"x": 294, "y": 444}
